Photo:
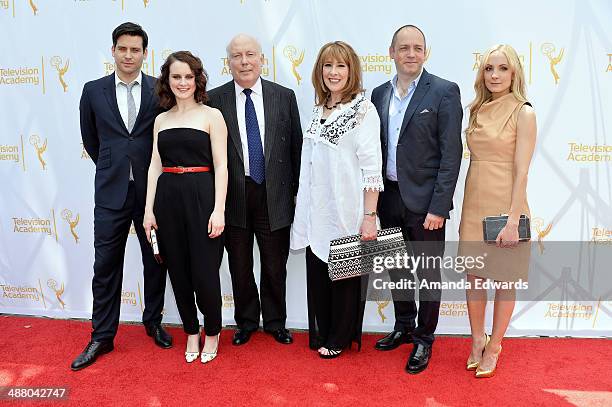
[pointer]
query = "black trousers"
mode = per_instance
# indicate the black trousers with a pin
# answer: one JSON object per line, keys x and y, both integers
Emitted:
{"x": 111, "y": 230}
{"x": 335, "y": 309}
{"x": 273, "y": 255}
{"x": 183, "y": 204}
{"x": 422, "y": 322}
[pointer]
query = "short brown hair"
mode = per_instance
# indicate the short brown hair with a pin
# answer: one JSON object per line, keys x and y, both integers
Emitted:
{"x": 339, "y": 51}
{"x": 166, "y": 97}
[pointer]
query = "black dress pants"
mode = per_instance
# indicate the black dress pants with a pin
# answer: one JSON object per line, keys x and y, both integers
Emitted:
{"x": 183, "y": 205}
{"x": 273, "y": 255}
{"x": 335, "y": 308}
{"x": 111, "y": 230}
{"x": 422, "y": 322}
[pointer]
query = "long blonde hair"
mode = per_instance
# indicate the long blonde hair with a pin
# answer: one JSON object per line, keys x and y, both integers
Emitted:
{"x": 517, "y": 86}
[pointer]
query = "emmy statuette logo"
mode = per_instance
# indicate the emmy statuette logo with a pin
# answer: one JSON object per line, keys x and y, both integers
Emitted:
{"x": 67, "y": 216}
{"x": 609, "y": 68}
{"x": 291, "y": 53}
{"x": 427, "y": 54}
{"x": 52, "y": 284}
{"x": 146, "y": 2}
{"x": 549, "y": 49}
{"x": 538, "y": 224}
{"x": 56, "y": 62}
{"x": 380, "y": 307}
{"x": 40, "y": 149}
{"x": 33, "y": 7}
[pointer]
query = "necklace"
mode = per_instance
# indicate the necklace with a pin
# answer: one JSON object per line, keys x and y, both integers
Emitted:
{"x": 332, "y": 107}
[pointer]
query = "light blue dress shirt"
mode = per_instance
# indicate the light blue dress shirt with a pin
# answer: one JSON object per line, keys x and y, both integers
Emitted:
{"x": 397, "y": 108}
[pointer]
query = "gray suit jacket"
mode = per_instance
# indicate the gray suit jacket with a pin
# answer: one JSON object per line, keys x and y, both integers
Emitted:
{"x": 282, "y": 150}
{"x": 429, "y": 147}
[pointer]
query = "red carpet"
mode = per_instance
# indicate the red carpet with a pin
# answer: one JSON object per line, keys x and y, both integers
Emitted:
{"x": 38, "y": 352}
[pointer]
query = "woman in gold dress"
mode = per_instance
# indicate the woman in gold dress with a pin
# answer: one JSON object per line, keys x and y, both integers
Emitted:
{"x": 501, "y": 136}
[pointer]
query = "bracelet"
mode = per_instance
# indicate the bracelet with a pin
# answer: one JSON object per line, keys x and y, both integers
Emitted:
{"x": 371, "y": 213}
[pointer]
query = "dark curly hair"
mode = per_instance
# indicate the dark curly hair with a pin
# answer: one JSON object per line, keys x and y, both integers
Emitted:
{"x": 166, "y": 97}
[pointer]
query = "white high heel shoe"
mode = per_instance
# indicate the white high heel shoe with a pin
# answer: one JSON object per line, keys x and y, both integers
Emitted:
{"x": 191, "y": 356}
{"x": 207, "y": 357}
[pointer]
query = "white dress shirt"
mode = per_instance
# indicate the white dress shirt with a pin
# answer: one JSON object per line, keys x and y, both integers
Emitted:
{"x": 341, "y": 159}
{"x": 121, "y": 92}
{"x": 122, "y": 101}
{"x": 257, "y": 98}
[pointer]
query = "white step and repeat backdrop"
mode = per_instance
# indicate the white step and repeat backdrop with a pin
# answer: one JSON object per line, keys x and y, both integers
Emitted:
{"x": 49, "y": 49}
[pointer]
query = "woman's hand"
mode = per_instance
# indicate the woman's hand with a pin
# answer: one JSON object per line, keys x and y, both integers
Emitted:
{"x": 216, "y": 224}
{"x": 368, "y": 228}
{"x": 148, "y": 223}
{"x": 508, "y": 236}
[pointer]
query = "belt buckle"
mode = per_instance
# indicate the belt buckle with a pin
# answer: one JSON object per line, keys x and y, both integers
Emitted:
{"x": 181, "y": 170}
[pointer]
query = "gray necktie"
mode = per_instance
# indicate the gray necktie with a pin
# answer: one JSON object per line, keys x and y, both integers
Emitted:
{"x": 131, "y": 107}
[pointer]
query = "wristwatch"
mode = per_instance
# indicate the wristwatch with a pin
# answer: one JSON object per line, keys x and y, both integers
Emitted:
{"x": 373, "y": 214}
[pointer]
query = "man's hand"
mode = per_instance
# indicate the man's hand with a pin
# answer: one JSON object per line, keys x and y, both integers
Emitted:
{"x": 433, "y": 222}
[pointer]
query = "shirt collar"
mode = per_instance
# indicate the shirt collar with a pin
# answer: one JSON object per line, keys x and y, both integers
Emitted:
{"x": 414, "y": 83}
{"x": 138, "y": 79}
{"x": 255, "y": 88}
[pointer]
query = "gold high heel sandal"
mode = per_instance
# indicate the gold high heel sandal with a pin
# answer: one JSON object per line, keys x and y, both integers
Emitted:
{"x": 470, "y": 365}
{"x": 191, "y": 356}
{"x": 207, "y": 357}
{"x": 483, "y": 374}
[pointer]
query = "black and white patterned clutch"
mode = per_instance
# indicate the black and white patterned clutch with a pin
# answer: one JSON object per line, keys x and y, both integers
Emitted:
{"x": 351, "y": 257}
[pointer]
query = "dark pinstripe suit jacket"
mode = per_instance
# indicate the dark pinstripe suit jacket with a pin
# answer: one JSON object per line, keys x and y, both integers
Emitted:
{"x": 282, "y": 150}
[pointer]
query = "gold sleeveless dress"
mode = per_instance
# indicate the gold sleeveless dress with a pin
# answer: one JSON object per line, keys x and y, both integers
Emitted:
{"x": 488, "y": 189}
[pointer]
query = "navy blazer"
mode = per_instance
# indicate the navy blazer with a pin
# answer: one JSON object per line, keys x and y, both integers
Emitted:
{"x": 109, "y": 144}
{"x": 429, "y": 148}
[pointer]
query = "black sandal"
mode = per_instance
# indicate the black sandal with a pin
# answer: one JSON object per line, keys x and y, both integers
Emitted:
{"x": 332, "y": 353}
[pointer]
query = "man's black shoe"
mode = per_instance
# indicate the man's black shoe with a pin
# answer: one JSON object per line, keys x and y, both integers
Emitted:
{"x": 282, "y": 335}
{"x": 419, "y": 358}
{"x": 393, "y": 340}
{"x": 91, "y": 353}
{"x": 241, "y": 336}
{"x": 160, "y": 336}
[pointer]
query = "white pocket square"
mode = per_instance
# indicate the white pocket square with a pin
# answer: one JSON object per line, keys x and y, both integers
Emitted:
{"x": 424, "y": 111}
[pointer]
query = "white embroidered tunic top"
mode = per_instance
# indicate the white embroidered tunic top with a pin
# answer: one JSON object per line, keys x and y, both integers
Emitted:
{"x": 341, "y": 159}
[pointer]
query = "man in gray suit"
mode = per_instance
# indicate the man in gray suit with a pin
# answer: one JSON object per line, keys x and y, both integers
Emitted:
{"x": 420, "y": 116}
{"x": 263, "y": 124}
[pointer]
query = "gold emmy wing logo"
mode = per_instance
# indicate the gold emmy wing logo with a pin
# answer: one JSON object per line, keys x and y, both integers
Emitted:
{"x": 380, "y": 306}
{"x": 146, "y": 2}
{"x": 291, "y": 53}
{"x": 40, "y": 149}
{"x": 427, "y": 54}
{"x": 56, "y": 62}
{"x": 538, "y": 224}
{"x": 52, "y": 284}
{"x": 549, "y": 49}
{"x": 33, "y": 7}
{"x": 67, "y": 216}
{"x": 609, "y": 68}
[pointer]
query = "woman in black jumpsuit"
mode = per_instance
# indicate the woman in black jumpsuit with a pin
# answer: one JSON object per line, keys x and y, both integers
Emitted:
{"x": 186, "y": 197}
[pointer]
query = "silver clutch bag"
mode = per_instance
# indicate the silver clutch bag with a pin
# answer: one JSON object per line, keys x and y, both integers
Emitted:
{"x": 492, "y": 225}
{"x": 351, "y": 257}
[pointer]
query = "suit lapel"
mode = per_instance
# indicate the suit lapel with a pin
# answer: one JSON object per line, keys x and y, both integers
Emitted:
{"x": 228, "y": 104}
{"x": 418, "y": 96}
{"x": 146, "y": 94}
{"x": 270, "y": 114}
{"x": 110, "y": 91}
{"x": 384, "y": 120}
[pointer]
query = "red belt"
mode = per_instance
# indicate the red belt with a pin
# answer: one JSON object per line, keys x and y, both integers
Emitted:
{"x": 182, "y": 170}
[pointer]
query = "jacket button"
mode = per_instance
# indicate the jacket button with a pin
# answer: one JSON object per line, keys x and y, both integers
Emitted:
{"x": 131, "y": 138}
{"x": 280, "y": 161}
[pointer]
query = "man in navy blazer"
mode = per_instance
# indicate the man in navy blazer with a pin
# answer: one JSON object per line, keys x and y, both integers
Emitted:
{"x": 421, "y": 143}
{"x": 117, "y": 115}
